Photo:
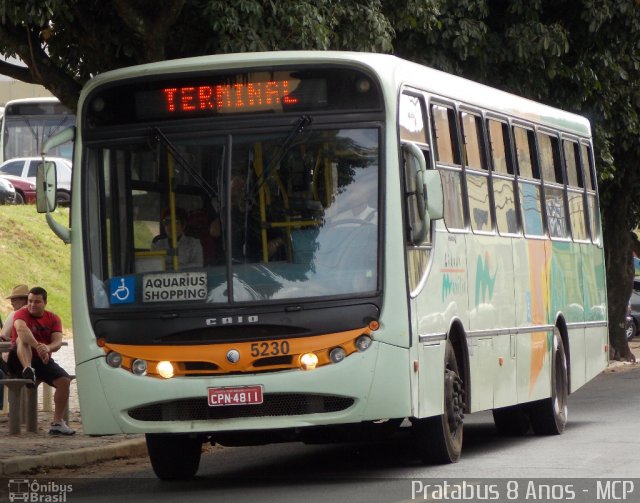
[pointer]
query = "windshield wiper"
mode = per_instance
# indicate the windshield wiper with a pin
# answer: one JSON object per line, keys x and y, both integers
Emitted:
{"x": 299, "y": 127}
{"x": 159, "y": 136}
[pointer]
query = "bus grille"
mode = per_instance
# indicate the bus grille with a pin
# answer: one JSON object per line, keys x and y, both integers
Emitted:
{"x": 197, "y": 409}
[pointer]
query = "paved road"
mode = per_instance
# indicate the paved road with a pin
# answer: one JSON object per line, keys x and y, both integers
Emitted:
{"x": 601, "y": 441}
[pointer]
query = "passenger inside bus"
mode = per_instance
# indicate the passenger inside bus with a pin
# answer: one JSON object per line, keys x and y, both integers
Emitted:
{"x": 246, "y": 235}
{"x": 355, "y": 209}
{"x": 188, "y": 249}
{"x": 206, "y": 227}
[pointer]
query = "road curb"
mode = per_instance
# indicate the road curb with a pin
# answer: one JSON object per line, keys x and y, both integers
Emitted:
{"x": 77, "y": 457}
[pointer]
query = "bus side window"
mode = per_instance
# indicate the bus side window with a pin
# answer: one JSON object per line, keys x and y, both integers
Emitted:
{"x": 575, "y": 191}
{"x": 503, "y": 181}
{"x": 529, "y": 186}
{"x": 411, "y": 119}
{"x": 444, "y": 130}
{"x": 525, "y": 153}
{"x": 448, "y": 162}
{"x": 592, "y": 197}
{"x": 476, "y": 173}
{"x": 551, "y": 168}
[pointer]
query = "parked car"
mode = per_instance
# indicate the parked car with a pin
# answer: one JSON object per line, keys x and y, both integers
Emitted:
{"x": 25, "y": 190}
{"x": 7, "y": 192}
{"x": 634, "y": 308}
{"x": 629, "y": 324}
{"x": 26, "y": 167}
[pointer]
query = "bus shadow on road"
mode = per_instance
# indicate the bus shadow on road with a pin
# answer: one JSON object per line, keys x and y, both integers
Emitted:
{"x": 392, "y": 457}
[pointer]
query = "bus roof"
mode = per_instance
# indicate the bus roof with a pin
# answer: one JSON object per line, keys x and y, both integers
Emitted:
{"x": 391, "y": 70}
{"x": 43, "y": 99}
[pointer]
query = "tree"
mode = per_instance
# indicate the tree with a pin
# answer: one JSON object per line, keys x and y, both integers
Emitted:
{"x": 64, "y": 43}
{"x": 579, "y": 56}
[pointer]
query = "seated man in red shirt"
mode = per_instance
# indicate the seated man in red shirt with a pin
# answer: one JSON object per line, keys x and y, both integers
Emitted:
{"x": 37, "y": 333}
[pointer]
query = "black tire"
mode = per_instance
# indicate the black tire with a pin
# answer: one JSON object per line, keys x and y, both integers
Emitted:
{"x": 512, "y": 421}
{"x": 439, "y": 439}
{"x": 549, "y": 416}
{"x": 63, "y": 198}
{"x": 19, "y": 199}
{"x": 629, "y": 326}
{"x": 174, "y": 456}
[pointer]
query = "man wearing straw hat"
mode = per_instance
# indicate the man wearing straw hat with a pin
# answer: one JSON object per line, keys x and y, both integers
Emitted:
{"x": 18, "y": 299}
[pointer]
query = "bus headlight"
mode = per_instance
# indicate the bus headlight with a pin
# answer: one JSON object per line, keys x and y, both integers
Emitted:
{"x": 337, "y": 355}
{"x": 114, "y": 359}
{"x": 308, "y": 361}
{"x": 165, "y": 369}
{"x": 363, "y": 342}
{"x": 139, "y": 367}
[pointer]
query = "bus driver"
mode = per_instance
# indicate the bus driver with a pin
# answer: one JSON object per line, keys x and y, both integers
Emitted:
{"x": 188, "y": 249}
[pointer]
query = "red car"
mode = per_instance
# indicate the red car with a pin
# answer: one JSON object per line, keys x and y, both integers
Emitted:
{"x": 25, "y": 190}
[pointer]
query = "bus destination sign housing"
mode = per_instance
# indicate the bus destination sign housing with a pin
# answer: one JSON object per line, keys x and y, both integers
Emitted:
{"x": 203, "y": 95}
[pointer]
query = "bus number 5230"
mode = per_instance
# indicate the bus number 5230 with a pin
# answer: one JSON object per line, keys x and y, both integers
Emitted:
{"x": 274, "y": 348}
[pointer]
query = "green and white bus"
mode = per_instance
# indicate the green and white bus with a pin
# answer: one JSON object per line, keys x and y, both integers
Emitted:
{"x": 379, "y": 245}
{"x": 27, "y": 123}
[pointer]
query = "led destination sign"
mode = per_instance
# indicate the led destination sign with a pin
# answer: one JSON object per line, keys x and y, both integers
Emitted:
{"x": 241, "y": 94}
{"x": 229, "y": 98}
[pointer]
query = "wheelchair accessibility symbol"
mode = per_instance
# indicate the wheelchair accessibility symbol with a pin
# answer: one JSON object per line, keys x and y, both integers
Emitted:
{"x": 122, "y": 290}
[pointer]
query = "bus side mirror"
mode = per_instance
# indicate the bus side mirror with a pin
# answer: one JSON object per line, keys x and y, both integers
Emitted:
{"x": 423, "y": 191}
{"x": 435, "y": 201}
{"x": 46, "y": 184}
{"x": 46, "y": 181}
{"x": 56, "y": 140}
{"x": 46, "y": 187}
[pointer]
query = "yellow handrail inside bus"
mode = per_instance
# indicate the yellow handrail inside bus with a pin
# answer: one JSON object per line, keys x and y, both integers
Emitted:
{"x": 172, "y": 213}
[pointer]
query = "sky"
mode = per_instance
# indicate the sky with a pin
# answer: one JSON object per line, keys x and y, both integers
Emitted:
{"x": 12, "y": 61}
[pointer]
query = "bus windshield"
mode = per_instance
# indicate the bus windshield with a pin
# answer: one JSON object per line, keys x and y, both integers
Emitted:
{"x": 234, "y": 217}
{"x": 27, "y": 126}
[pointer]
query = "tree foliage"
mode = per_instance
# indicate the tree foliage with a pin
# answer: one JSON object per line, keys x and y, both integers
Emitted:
{"x": 579, "y": 55}
{"x": 66, "y": 42}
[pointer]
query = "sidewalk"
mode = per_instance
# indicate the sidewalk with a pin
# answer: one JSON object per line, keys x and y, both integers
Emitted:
{"x": 20, "y": 454}
{"x": 24, "y": 453}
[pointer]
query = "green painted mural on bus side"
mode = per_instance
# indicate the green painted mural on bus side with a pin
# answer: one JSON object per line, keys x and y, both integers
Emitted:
{"x": 485, "y": 282}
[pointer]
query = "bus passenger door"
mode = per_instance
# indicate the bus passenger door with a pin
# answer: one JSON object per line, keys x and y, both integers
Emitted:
{"x": 423, "y": 206}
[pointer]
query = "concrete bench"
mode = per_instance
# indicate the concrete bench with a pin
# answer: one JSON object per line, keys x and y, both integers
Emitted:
{"x": 19, "y": 414}
{"x": 47, "y": 393}
{"x": 23, "y": 404}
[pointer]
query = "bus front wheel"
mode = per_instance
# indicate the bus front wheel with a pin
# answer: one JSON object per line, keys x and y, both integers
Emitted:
{"x": 174, "y": 456}
{"x": 439, "y": 439}
{"x": 549, "y": 416}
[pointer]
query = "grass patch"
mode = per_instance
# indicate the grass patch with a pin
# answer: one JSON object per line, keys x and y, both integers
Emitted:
{"x": 30, "y": 253}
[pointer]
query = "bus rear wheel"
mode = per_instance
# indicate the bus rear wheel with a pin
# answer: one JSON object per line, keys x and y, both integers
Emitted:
{"x": 549, "y": 416}
{"x": 439, "y": 439}
{"x": 174, "y": 456}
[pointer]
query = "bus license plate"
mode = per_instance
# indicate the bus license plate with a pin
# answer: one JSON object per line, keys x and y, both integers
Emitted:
{"x": 241, "y": 395}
